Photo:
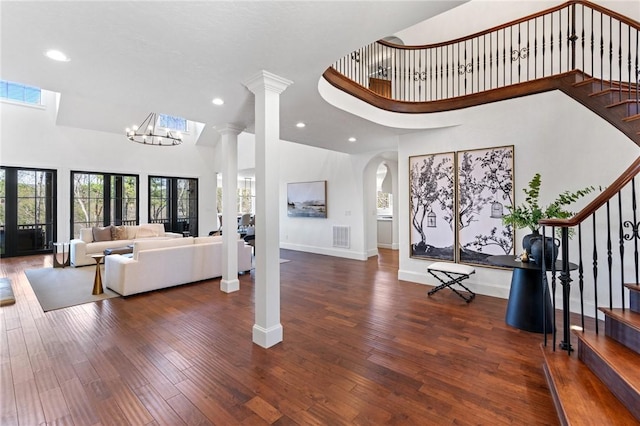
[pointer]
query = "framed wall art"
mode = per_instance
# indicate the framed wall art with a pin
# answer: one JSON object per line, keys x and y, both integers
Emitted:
{"x": 307, "y": 199}
{"x": 485, "y": 189}
{"x": 431, "y": 206}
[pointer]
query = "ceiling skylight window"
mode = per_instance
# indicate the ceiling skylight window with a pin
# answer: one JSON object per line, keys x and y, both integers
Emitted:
{"x": 20, "y": 93}
{"x": 171, "y": 122}
{"x": 56, "y": 55}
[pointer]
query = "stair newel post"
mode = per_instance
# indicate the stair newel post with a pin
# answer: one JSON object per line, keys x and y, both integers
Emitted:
{"x": 565, "y": 280}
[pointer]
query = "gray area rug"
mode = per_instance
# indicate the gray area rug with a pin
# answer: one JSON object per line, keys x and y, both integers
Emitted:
{"x": 58, "y": 288}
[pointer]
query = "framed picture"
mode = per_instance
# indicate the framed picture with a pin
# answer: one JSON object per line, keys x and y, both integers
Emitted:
{"x": 307, "y": 199}
{"x": 432, "y": 203}
{"x": 485, "y": 189}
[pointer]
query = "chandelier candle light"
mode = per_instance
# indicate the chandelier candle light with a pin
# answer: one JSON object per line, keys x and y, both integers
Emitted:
{"x": 148, "y": 134}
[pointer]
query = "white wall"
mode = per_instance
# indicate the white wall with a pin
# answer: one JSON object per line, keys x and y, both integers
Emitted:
{"x": 554, "y": 135}
{"x": 345, "y": 199}
{"x": 29, "y": 137}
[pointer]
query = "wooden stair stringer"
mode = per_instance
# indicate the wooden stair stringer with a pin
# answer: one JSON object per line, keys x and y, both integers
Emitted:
{"x": 615, "y": 365}
{"x": 588, "y": 91}
{"x": 579, "y": 396}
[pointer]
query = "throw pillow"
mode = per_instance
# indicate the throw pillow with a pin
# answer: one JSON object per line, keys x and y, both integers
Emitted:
{"x": 102, "y": 233}
{"x": 118, "y": 233}
{"x": 144, "y": 232}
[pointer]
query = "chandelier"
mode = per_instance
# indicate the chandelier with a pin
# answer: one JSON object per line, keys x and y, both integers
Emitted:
{"x": 148, "y": 134}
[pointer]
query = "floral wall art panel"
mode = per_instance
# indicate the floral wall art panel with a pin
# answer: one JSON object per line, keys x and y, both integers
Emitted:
{"x": 431, "y": 205}
{"x": 485, "y": 189}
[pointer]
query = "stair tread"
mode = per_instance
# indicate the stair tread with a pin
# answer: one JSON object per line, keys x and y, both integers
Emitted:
{"x": 583, "y": 398}
{"x": 628, "y": 317}
{"x": 621, "y": 359}
{"x": 631, "y": 118}
{"x": 633, "y": 287}
{"x": 622, "y": 102}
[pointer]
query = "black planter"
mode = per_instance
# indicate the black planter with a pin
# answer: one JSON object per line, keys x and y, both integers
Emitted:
{"x": 551, "y": 250}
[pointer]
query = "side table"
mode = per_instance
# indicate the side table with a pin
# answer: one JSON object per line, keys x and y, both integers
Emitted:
{"x": 97, "y": 280}
{"x": 525, "y": 304}
{"x": 61, "y": 255}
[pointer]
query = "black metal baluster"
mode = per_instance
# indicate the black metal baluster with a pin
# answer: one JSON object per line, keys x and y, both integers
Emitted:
{"x": 621, "y": 246}
{"x": 620, "y": 60}
{"x": 609, "y": 256}
{"x": 551, "y": 46}
{"x": 610, "y": 50}
{"x": 582, "y": 37}
{"x": 504, "y": 57}
{"x": 601, "y": 52}
{"x": 535, "y": 49}
{"x": 544, "y": 45}
{"x": 527, "y": 50}
{"x": 559, "y": 41}
{"x": 511, "y": 50}
{"x": 565, "y": 280}
{"x": 477, "y": 64}
{"x": 595, "y": 272}
{"x": 581, "y": 275}
{"x": 635, "y": 226}
{"x": 491, "y": 62}
{"x": 593, "y": 44}
{"x": 519, "y": 47}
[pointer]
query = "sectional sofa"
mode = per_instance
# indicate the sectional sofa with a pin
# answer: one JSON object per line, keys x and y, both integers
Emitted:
{"x": 97, "y": 239}
{"x": 156, "y": 264}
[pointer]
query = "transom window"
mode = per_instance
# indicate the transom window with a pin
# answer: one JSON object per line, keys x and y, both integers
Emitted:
{"x": 173, "y": 123}
{"x": 20, "y": 93}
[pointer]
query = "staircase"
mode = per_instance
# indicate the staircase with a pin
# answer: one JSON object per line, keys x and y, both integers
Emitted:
{"x": 604, "y": 388}
{"x": 561, "y": 48}
{"x": 618, "y": 103}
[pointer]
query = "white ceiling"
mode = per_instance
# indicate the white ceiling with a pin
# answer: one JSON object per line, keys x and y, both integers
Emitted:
{"x": 131, "y": 58}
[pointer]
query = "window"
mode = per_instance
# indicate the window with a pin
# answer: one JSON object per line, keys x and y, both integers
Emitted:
{"x": 174, "y": 203}
{"x": 173, "y": 123}
{"x": 27, "y": 210}
{"x": 101, "y": 199}
{"x": 20, "y": 93}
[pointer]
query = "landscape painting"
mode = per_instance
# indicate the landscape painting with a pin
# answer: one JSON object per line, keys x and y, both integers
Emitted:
{"x": 432, "y": 203}
{"x": 485, "y": 189}
{"x": 307, "y": 199}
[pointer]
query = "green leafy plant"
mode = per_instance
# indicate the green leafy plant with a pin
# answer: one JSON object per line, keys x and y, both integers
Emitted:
{"x": 527, "y": 214}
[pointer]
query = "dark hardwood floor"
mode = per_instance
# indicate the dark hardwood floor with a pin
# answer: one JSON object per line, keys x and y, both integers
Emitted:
{"x": 360, "y": 347}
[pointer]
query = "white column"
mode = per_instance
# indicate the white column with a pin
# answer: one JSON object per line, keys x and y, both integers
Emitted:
{"x": 267, "y": 331}
{"x": 229, "y": 141}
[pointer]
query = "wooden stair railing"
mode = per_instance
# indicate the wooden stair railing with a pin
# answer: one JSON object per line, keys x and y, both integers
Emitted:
{"x": 604, "y": 382}
{"x": 583, "y": 49}
{"x": 591, "y": 54}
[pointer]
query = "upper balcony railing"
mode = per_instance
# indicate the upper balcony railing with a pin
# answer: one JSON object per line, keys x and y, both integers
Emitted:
{"x": 575, "y": 35}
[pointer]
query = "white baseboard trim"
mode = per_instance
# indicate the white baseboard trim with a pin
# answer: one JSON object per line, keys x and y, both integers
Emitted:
{"x": 267, "y": 337}
{"x": 326, "y": 251}
{"x": 385, "y": 246}
{"x": 229, "y": 286}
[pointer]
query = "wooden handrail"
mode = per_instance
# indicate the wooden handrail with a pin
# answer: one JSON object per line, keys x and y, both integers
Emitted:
{"x": 599, "y": 201}
{"x": 625, "y": 19}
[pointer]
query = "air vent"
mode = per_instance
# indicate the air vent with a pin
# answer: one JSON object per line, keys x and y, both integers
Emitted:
{"x": 342, "y": 236}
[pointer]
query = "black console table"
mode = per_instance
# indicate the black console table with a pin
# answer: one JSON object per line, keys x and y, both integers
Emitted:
{"x": 524, "y": 308}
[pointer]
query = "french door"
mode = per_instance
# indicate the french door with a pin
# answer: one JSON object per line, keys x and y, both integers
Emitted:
{"x": 174, "y": 203}
{"x": 27, "y": 211}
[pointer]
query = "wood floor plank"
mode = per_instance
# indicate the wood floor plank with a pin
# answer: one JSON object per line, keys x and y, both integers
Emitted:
{"x": 360, "y": 347}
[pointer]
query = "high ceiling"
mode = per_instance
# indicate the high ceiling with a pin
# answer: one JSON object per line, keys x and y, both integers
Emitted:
{"x": 131, "y": 58}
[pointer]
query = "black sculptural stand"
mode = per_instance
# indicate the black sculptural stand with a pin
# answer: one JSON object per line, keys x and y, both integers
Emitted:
{"x": 525, "y": 304}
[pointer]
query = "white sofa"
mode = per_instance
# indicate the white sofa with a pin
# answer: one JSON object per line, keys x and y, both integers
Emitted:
{"x": 82, "y": 248}
{"x": 159, "y": 264}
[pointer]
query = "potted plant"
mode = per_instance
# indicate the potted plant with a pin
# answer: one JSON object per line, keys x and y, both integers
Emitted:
{"x": 527, "y": 214}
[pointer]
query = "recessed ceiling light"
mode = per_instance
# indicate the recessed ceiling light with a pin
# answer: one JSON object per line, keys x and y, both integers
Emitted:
{"x": 352, "y": 139}
{"x": 300, "y": 125}
{"x": 217, "y": 101}
{"x": 56, "y": 55}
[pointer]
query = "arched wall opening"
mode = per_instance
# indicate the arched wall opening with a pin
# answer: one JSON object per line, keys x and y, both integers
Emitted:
{"x": 381, "y": 224}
